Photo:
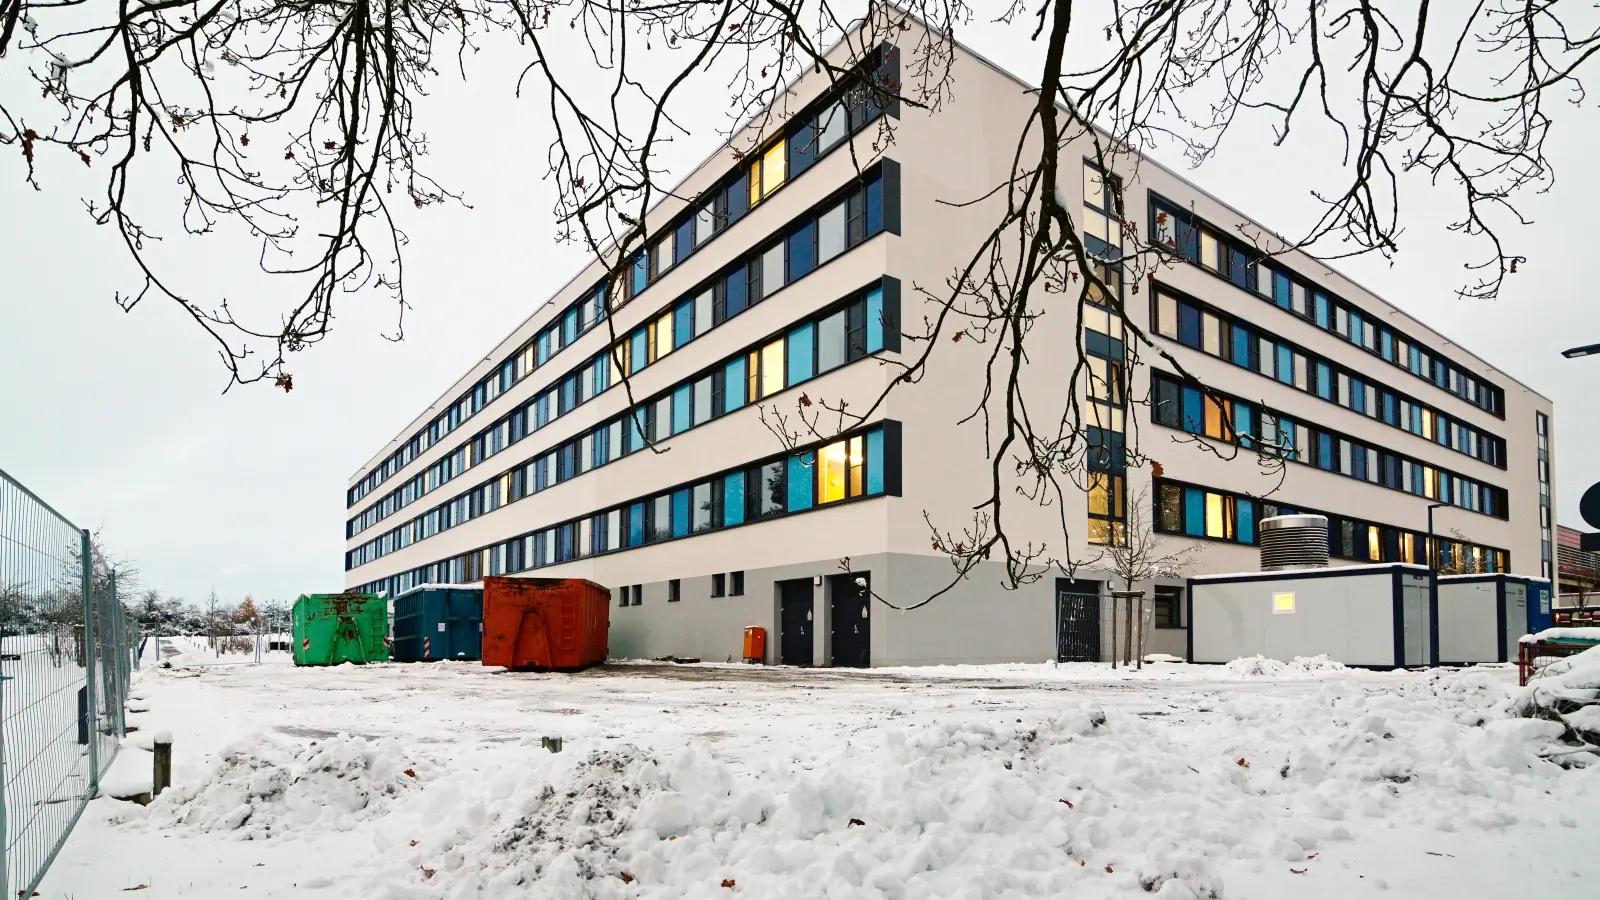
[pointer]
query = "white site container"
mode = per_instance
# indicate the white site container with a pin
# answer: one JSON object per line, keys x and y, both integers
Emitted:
{"x": 1377, "y": 616}
{"x": 1482, "y": 616}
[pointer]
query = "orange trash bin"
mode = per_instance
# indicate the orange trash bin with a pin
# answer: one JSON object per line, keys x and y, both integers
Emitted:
{"x": 544, "y": 623}
{"x": 755, "y": 644}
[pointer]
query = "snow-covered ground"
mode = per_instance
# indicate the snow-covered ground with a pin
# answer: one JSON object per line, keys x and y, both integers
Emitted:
{"x": 1255, "y": 780}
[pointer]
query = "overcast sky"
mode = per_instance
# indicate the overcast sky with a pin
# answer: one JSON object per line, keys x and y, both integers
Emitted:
{"x": 118, "y": 420}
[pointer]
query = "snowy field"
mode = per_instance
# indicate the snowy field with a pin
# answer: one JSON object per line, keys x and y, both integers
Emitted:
{"x": 1257, "y": 780}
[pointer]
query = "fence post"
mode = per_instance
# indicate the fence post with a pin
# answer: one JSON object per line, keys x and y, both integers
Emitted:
{"x": 88, "y": 664}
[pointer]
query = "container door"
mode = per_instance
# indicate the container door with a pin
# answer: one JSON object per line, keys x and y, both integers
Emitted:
{"x": 1414, "y": 621}
{"x": 1077, "y": 621}
{"x": 463, "y": 623}
{"x": 1516, "y": 622}
{"x": 851, "y": 608}
{"x": 794, "y": 622}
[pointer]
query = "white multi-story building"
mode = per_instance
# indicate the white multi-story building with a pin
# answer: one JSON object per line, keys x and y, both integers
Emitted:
{"x": 790, "y": 273}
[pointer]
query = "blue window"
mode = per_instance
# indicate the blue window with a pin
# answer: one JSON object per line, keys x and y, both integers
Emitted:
{"x": 682, "y": 323}
{"x": 541, "y": 473}
{"x": 802, "y": 146}
{"x": 541, "y": 349}
{"x": 1416, "y": 360}
{"x": 1390, "y": 414}
{"x": 569, "y": 393}
{"x": 738, "y": 197}
{"x": 682, "y": 410}
{"x": 602, "y": 376}
{"x": 569, "y": 327}
{"x": 542, "y": 411}
{"x": 1358, "y": 462}
{"x": 1324, "y": 451}
{"x": 733, "y": 379}
{"x": 1247, "y": 520}
{"x": 802, "y": 490}
{"x": 634, "y": 422}
{"x": 1238, "y": 266}
{"x": 1194, "y": 512}
{"x": 1357, "y": 333}
{"x": 1324, "y": 381}
{"x": 875, "y": 462}
{"x": 639, "y": 354}
{"x": 802, "y": 251}
{"x": 1286, "y": 436}
{"x": 680, "y": 513}
{"x": 1285, "y": 364}
{"x": 641, "y": 272}
{"x": 1194, "y": 417}
{"x": 1324, "y": 318}
{"x": 733, "y": 293}
{"x": 733, "y": 499}
{"x": 1241, "y": 346}
{"x": 1188, "y": 325}
{"x": 1244, "y": 424}
{"x": 1386, "y": 344}
{"x": 1358, "y": 395}
{"x": 874, "y": 206}
{"x": 875, "y": 321}
{"x": 1282, "y": 292}
{"x": 684, "y": 240}
{"x": 801, "y": 354}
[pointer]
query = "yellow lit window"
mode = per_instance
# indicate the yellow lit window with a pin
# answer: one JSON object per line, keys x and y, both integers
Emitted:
{"x": 1429, "y": 482}
{"x": 772, "y": 171}
{"x": 505, "y": 489}
{"x": 1208, "y": 250}
{"x": 1105, "y": 380}
{"x": 620, "y": 355}
{"x": 1214, "y": 516}
{"x": 1216, "y": 416}
{"x": 857, "y": 456}
{"x": 755, "y": 183}
{"x": 1408, "y": 548}
{"x": 1167, "y": 315}
{"x": 753, "y": 367}
{"x": 834, "y": 461}
{"x": 772, "y": 368}
{"x": 663, "y": 336}
{"x": 1374, "y": 543}
{"x": 1107, "y": 417}
{"x": 1427, "y": 424}
{"x": 1211, "y": 334}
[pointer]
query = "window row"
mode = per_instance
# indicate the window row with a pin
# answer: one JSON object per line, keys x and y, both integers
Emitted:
{"x": 1190, "y": 408}
{"x": 1208, "y": 247}
{"x": 1196, "y": 325}
{"x": 1201, "y": 512}
{"x": 807, "y": 137}
{"x": 864, "y": 464}
{"x": 838, "y": 224}
{"x": 810, "y": 348}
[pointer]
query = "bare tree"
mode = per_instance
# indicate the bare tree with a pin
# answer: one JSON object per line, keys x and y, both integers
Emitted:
{"x": 295, "y": 124}
{"x": 1136, "y": 556}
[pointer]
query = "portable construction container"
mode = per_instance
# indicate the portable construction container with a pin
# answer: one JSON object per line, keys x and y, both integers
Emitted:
{"x": 438, "y": 623}
{"x": 1378, "y": 616}
{"x": 545, "y": 623}
{"x": 1482, "y": 616}
{"x": 334, "y": 628}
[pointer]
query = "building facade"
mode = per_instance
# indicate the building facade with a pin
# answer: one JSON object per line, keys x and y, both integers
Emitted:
{"x": 1578, "y": 570}
{"x": 781, "y": 290}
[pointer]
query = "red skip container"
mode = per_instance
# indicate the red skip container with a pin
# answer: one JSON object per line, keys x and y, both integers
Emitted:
{"x": 544, "y": 623}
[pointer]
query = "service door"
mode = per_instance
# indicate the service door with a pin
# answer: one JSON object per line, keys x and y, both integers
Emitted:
{"x": 1415, "y": 624}
{"x": 1077, "y": 621}
{"x": 794, "y": 622}
{"x": 1516, "y": 623}
{"x": 851, "y": 610}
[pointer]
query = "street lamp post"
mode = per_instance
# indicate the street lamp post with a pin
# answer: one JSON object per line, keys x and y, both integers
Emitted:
{"x": 1432, "y": 555}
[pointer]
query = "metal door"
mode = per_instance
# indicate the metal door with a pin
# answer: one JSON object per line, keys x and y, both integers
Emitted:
{"x": 1516, "y": 622}
{"x": 851, "y": 609}
{"x": 794, "y": 623}
{"x": 1077, "y": 622}
{"x": 1414, "y": 624}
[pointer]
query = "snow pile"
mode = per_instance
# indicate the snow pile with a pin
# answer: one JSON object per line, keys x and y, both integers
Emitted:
{"x": 1088, "y": 801}
{"x": 1319, "y": 666}
{"x": 1566, "y": 693}
{"x": 261, "y": 788}
{"x": 1563, "y": 634}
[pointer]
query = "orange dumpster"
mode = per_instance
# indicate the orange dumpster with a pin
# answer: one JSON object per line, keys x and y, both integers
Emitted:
{"x": 544, "y": 623}
{"x": 755, "y": 644}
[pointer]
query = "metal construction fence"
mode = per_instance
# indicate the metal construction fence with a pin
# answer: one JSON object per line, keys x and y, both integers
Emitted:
{"x": 66, "y": 656}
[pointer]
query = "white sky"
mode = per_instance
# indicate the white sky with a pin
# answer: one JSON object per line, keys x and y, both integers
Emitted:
{"x": 118, "y": 421}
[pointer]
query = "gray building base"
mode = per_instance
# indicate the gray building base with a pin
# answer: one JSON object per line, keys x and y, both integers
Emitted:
{"x": 975, "y": 622}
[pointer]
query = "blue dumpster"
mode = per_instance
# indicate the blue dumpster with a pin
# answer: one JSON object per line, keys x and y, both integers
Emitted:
{"x": 438, "y": 623}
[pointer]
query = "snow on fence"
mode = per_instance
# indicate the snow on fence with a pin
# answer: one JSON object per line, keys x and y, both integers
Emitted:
{"x": 66, "y": 656}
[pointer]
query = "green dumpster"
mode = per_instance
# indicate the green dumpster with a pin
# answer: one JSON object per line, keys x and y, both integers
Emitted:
{"x": 330, "y": 629}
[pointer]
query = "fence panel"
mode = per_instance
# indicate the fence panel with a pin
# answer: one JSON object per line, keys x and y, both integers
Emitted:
{"x": 63, "y": 686}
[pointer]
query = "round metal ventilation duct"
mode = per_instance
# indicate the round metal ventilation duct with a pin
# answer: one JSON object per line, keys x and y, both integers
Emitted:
{"x": 1294, "y": 542}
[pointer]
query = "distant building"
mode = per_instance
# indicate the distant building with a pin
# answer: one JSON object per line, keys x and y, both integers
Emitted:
{"x": 789, "y": 270}
{"x": 1580, "y": 571}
